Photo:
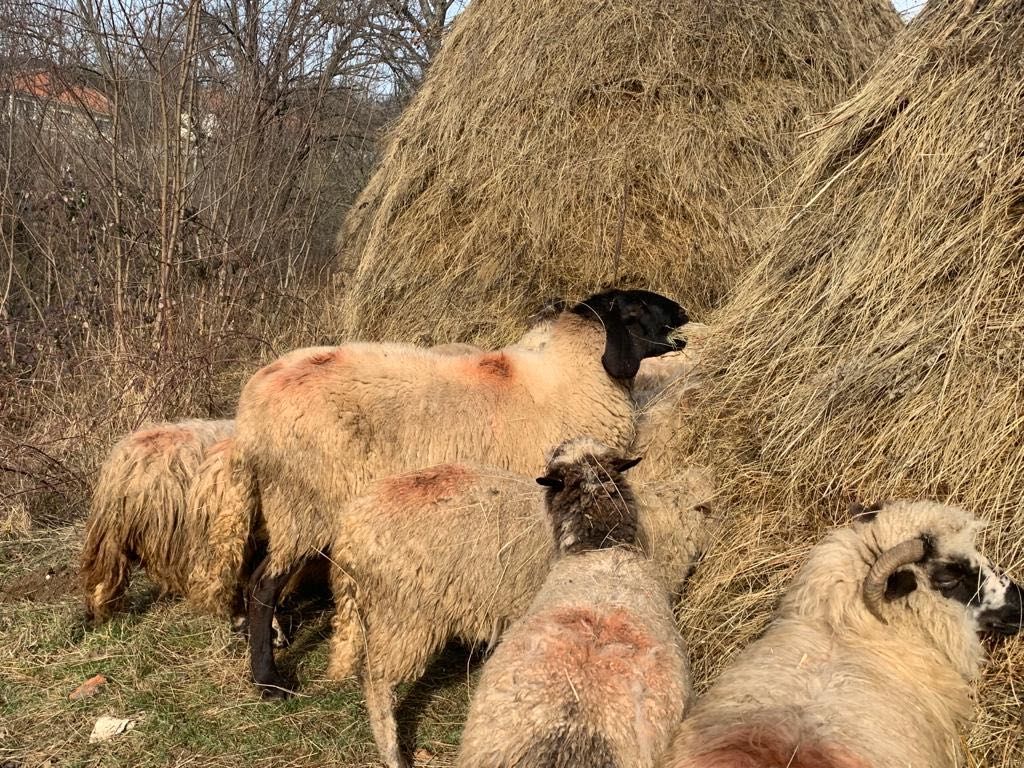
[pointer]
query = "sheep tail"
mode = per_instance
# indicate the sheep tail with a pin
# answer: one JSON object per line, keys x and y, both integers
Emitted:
{"x": 105, "y": 561}
{"x": 569, "y": 745}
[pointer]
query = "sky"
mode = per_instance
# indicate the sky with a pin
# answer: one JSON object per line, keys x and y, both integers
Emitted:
{"x": 908, "y": 7}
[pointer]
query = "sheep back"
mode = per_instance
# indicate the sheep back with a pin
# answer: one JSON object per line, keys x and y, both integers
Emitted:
{"x": 318, "y": 425}
{"x": 595, "y": 671}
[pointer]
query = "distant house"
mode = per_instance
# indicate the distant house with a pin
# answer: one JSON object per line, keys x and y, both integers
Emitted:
{"x": 45, "y": 99}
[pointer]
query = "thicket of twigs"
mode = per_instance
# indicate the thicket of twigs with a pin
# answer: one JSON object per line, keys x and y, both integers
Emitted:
{"x": 168, "y": 202}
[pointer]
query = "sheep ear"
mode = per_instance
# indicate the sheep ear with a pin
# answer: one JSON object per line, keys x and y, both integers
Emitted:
{"x": 900, "y": 584}
{"x": 621, "y": 358}
{"x": 865, "y": 514}
{"x": 551, "y": 482}
{"x": 623, "y": 464}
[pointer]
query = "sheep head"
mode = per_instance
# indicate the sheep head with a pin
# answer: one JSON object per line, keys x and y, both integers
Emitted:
{"x": 936, "y": 551}
{"x": 590, "y": 505}
{"x": 638, "y": 324}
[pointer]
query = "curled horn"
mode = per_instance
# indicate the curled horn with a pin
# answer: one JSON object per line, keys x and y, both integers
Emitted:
{"x": 904, "y": 553}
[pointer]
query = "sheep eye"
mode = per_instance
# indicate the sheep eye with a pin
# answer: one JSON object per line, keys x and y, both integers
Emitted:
{"x": 948, "y": 576}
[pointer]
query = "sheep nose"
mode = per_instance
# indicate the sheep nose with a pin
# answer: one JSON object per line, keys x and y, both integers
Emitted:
{"x": 1006, "y": 620}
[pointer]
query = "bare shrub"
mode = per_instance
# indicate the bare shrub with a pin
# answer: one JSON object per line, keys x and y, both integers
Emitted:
{"x": 172, "y": 175}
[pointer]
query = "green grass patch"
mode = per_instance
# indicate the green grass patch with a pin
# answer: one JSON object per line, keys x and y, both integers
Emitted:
{"x": 184, "y": 680}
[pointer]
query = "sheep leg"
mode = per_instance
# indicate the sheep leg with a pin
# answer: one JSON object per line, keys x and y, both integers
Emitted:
{"x": 254, "y": 554}
{"x": 380, "y": 704}
{"x": 263, "y": 596}
{"x": 240, "y": 623}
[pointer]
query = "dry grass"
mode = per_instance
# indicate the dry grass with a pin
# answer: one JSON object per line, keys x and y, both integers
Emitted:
{"x": 875, "y": 350}
{"x": 546, "y": 134}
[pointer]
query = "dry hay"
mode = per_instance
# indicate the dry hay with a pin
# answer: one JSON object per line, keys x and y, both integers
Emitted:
{"x": 545, "y": 132}
{"x": 877, "y": 348}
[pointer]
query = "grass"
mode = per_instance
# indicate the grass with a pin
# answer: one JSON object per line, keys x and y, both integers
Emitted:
{"x": 184, "y": 679}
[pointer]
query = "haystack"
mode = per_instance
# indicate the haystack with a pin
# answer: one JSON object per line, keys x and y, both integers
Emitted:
{"x": 877, "y": 348}
{"x": 558, "y": 146}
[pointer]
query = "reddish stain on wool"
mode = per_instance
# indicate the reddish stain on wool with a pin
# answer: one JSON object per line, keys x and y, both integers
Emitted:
{"x": 161, "y": 439}
{"x": 493, "y": 368}
{"x": 606, "y": 650}
{"x": 767, "y": 748}
{"x": 427, "y": 486}
{"x": 293, "y": 374}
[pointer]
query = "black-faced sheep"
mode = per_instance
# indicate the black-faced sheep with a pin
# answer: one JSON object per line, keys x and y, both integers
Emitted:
{"x": 870, "y": 660}
{"x": 139, "y": 512}
{"x": 595, "y": 673}
{"x": 457, "y": 552}
{"x": 316, "y": 426}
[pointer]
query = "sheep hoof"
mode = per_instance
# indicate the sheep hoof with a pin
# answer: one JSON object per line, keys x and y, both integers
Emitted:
{"x": 275, "y": 691}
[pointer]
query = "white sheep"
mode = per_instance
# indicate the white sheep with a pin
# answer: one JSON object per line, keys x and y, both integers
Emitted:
{"x": 871, "y": 659}
{"x": 165, "y": 496}
{"x": 316, "y": 426}
{"x": 139, "y": 512}
{"x": 595, "y": 673}
{"x": 458, "y": 551}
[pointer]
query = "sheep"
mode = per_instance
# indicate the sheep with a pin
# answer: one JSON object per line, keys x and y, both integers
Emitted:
{"x": 595, "y": 673}
{"x": 138, "y": 512}
{"x": 871, "y": 658}
{"x": 165, "y": 496}
{"x": 317, "y": 425}
{"x": 664, "y": 394}
{"x": 457, "y": 551}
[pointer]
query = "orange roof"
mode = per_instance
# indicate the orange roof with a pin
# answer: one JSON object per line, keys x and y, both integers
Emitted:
{"x": 42, "y": 85}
